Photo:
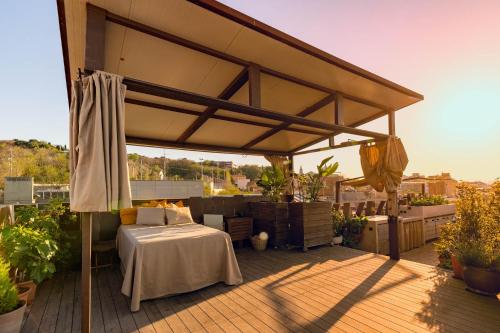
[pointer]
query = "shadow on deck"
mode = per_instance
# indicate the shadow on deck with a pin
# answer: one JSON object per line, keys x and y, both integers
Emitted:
{"x": 327, "y": 288}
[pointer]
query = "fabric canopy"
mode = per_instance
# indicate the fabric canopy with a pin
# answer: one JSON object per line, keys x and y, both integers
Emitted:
{"x": 383, "y": 164}
{"x": 98, "y": 155}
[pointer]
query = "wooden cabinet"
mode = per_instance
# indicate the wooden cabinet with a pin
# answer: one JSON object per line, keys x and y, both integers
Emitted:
{"x": 239, "y": 228}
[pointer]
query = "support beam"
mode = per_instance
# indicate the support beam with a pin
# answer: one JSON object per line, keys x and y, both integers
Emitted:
{"x": 194, "y": 98}
{"x": 304, "y": 113}
{"x": 392, "y": 205}
{"x": 215, "y": 116}
{"x": 341, "y": 145}
{"x": 94, "y": 60}
{"x": 226, "y": 94}
{"x": 137, "y": 141}
{"x": 254, "y": 93}
{"x": 326, "y": 137}
{"x": 86, "y": 225}
{"x": 338, "y": 116}
{"x": 94, "y": 38}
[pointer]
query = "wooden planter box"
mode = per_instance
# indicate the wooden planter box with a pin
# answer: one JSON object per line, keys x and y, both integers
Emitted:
{"x": 310, "y": 223}
{"x": 271, "y": 217}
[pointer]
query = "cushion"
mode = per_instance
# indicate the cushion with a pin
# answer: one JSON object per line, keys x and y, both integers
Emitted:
{"x": 151, "y": 216}
{"x": 178, "y": 215}
{"x": 128, "y": 215}
{"x": 153, "y": 203}
{"x": 179, "y": 203}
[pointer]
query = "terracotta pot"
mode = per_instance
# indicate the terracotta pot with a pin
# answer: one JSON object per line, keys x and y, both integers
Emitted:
{"x": 10, "y": 322}
{"x": 482, "y": 280}
{"x": 458, "y": 271}
{"x": 32, "y": 290}
{"x": 23, "y": 293}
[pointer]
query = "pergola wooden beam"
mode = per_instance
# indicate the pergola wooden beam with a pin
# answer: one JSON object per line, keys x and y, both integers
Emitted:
{"x": 123, "y": 21}
{"x": 286, "y": 125}
{"x": 340, "y": 145}
{"x": 226, "y": 94}
{"x": 326, "y": 137}
{"x": 94, "y": 60}
{"x": 215, "y": 116}
{"x": 138, "y": 141}
{"x": 194, "y": 98}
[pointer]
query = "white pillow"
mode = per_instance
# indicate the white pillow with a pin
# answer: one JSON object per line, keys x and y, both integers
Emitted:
{"x": 150, "y": 216}
{"x": 178, "y": 215}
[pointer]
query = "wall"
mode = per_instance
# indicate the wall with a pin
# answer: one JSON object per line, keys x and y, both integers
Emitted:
{"x": 165, "y": 189}
{"x": 18, "y": 190}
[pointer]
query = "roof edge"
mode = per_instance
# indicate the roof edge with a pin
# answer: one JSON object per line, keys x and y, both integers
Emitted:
{"x": 249, "y": 22}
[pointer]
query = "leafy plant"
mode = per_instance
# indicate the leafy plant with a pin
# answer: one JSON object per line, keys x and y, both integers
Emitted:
{"x": 477, "y": 233}
{"x": 8, "y": 291}
{"x": 338, "y": 222}
{"x": 273, "y": 182}
{"x": 54, "y": 219}
{"x": 31, "y": 251}
{"x": 433, "y": 200}
{"x": 353, "y": 230}
{"x": 314, "y": 182}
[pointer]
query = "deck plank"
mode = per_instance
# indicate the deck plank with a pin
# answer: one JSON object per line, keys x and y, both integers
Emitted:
{"x": 34, "y": 319}
{"x": 65, "y": 316}
{"x": 325, "y": 289}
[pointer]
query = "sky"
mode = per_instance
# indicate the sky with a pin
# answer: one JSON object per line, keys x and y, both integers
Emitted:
{"x": 449, "y": 51}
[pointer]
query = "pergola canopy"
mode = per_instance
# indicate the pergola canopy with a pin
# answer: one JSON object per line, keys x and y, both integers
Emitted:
{"x": 203, "y": 76}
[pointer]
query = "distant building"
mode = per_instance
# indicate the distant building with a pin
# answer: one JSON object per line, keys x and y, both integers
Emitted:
{"x": 241, "y": 181}
{"x": 442, "y": 184}
{"x": 328, "y": 191}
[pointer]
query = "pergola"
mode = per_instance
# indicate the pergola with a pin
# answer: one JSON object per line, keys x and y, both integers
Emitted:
{"x": 202, "y": 76}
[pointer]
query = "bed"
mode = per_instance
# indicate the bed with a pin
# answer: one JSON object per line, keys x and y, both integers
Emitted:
{"x": 158, "y": 261}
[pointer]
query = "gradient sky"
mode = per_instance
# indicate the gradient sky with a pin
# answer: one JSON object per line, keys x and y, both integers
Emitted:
{"x": 447, "y": 50}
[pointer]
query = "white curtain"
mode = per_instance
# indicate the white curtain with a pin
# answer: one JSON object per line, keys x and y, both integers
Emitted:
{"x": 98, "y": 155}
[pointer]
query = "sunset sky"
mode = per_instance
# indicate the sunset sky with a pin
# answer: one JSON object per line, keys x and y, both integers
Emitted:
{"x": 449, "y": 51}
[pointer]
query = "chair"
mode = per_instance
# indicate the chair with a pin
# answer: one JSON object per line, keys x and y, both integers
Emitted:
{"x": 380, "y": 208}
{"x": 346, "y": 209}
{"x": 370, "y": 208}
{"x": 359, "y": 210}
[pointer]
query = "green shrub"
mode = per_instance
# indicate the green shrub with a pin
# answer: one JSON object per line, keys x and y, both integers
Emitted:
{"x": 477, "y": 231}
{"x": 55, "y": 219}
{"x": 353, "y": 230}
{"x": 433, "y": 200}
{"x": 31, "y": 251}
{"x": 8, "y": 291}
{"x": 338, "y": 221}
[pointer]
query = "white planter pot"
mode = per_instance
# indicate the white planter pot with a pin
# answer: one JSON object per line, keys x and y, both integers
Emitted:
{"x": 10, "y": 322}
{"x": 338, "y": 240}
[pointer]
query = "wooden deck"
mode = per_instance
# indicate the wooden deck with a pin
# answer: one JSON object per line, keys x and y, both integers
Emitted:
{"x": 425, "y": 255}
{"x": 324, "y": 289}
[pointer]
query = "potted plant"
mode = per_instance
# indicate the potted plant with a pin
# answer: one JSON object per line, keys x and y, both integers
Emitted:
{"x": 353, "y": 230}
{"x": 480, "y": 271}
{"x": 478, "y": 238}
{"x": 338, "y": 226}
{"x": 11, "y": 307}
{"x": 310, "y": 221}
{"x": 31, "y": 252}
{"x": 445, "y": 246}
{"x": 271, "y": 216}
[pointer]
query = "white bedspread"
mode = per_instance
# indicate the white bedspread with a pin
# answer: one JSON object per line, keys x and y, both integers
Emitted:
{"x": 163, "y": 260}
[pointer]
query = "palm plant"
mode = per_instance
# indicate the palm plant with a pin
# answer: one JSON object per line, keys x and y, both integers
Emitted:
{"x": 273, "y": 182}
{"x": 314, "y": 182}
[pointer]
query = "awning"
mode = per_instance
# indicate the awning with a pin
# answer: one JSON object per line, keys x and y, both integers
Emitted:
{"x": 211, "y": 50}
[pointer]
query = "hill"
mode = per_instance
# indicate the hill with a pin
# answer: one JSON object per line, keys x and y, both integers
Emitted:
{"x": 48, "y": 164}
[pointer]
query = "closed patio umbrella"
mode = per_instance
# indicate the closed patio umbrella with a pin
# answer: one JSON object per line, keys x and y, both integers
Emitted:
{"x": 98, "y": 159}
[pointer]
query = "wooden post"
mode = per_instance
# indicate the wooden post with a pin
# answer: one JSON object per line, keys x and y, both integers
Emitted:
{"x": 339, "y": 118}
{"x": 94, "y": 60}
{"x": 254, "y": 85}
{"x": 86, "y": 223}
{"x": 337, "y": 191}
{"x": 392, "y": 206}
